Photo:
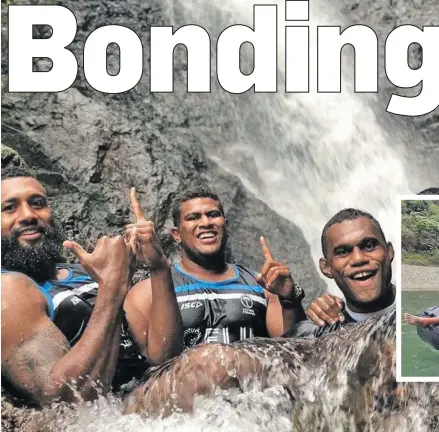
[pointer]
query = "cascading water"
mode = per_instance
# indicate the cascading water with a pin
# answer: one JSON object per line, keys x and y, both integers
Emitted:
{"x": 303, "y": 389}
{"x": 307, "y": 156}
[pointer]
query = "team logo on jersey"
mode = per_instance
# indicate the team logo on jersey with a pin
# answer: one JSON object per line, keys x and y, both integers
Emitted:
{"x": 247, "y": 302}
{"x": 192, "y": 336}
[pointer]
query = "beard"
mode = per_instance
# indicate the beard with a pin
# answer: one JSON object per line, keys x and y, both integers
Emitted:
{"x": 36, "y": 261}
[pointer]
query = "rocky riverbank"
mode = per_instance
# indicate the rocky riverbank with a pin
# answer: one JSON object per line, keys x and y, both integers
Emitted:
{"x": 419, "y": 278}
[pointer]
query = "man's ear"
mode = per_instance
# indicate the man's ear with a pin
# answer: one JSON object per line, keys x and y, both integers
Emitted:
{"x": 175, "y": 233}
{"x": 391, "y": 251}
{"x": 325, "y": 268}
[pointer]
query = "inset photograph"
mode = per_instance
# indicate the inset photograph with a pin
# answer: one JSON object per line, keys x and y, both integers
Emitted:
{"x": 419, "y": 337}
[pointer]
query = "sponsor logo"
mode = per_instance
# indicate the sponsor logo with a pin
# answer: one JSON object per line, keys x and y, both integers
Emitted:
{"x": 247, "y": 302}
{"x": 190, "y": 305}
{"x": 75, "y": 300}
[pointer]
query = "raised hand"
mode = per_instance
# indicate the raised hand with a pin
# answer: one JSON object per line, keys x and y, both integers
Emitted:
{"x": 275, "y": 276}
{"x": 326, "y": 309}
{"x": 109, "y": 262}
{"x": 143, "y": 239}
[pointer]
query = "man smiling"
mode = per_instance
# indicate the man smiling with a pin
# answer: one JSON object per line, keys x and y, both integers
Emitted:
{"x": 219, "y": 301}
{"x": 358, "y": 257}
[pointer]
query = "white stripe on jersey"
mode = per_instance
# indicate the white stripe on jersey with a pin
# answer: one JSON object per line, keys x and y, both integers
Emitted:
{"x": 214, "y": 296}
{"x": 58, "y": 298}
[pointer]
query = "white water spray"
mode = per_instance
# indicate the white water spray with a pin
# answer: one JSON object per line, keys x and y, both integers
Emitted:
{"x": 306, "y": 155}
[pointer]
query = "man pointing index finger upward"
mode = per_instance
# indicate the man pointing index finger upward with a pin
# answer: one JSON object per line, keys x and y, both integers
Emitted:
{"x": 151, "y": 305}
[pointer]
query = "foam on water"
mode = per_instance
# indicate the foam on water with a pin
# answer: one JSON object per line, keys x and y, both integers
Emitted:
{"x": 307, "y": 156}
{"x": 305, "y": 389}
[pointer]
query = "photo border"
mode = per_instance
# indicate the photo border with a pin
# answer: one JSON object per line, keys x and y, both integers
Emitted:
{"x": 399, "y": 377}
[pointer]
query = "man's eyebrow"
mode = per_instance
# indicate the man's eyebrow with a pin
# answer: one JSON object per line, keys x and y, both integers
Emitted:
{"x": 342, "y": 246}
{"x": 192, "y": 214}
{"x": 37, "y": 195}
{"x": 371, "y": 238}
{"x": 10, "y": 200}
{"x": 361, "y": 242}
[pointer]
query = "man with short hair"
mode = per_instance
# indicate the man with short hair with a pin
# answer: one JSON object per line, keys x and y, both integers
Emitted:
{"x": 358, "y": 257}
{"x": 355, "y": 254}
{"x": 64, "y": 326}
{"x": 220, "y": 301}
{"x": 327, "y": 309}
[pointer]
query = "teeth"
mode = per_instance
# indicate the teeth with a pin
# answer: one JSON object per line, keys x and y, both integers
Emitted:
{"x": 207, "y": 235}
{"x": 362, "y": 275}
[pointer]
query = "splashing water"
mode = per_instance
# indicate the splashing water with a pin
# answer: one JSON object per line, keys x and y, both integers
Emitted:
{"x": 301, "y": 388}
{"x": 307, "y": 156}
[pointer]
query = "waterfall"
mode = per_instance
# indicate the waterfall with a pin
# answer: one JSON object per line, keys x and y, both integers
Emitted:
{"x": 306, "y": 155}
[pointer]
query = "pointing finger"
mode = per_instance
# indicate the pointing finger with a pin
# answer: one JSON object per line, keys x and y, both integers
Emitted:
{"x": 135, "y": 205}
{"x": 266, "y": 250}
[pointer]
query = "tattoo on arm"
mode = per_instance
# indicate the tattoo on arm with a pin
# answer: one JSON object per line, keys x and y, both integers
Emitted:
{"x": 29, "y": 364}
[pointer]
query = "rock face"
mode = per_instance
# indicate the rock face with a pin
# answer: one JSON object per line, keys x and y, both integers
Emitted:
{"x": 89, "y": 148}
{"x": 384, "y": 16}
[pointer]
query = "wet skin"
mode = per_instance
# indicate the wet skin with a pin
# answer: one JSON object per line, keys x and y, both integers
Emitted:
{"x": 25, "y": 210}
{"x": 359, "y": 260}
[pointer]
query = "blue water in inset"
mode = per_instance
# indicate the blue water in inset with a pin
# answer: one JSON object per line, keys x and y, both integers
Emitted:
{"x": 418, "y": 358}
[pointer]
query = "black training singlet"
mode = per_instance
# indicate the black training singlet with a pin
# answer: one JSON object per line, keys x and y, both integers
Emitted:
{"x": 225, "y": 311}
{"x": 70, "y": 304}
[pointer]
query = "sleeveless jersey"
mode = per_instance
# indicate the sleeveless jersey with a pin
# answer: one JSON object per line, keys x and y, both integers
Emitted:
{"x": 70, "y": 304}
{"x": 223, "y": 312}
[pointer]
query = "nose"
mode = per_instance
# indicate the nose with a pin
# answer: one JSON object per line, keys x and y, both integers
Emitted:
{"x": 205, "y": 221}
{"x": 358, "y": 257}
{"x": 26, "y": 215}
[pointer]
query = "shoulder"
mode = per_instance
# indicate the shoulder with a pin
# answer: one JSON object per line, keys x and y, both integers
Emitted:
{"x": 246, "y": 271}
{"x": 17, "y": 288}
{"x": 23, "y": 306}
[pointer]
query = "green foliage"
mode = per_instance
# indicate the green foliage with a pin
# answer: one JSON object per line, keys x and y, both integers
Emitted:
{"x": 420, "y": 259}
{"x": 420, "y": 232}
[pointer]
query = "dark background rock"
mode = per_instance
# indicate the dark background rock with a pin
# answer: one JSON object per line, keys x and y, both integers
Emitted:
{"x": 89, "y": 148}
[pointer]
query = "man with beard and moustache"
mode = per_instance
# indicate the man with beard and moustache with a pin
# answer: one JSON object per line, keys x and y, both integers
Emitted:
{"x": 358, "y": 257}
{"x": 219, "y": 301}
{"x": 64, "y": 331}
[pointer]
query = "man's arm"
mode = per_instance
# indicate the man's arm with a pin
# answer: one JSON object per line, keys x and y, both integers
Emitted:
{"x": 280, "y": 319}
{"x": 276, "y": 278}
{"x": 154, "y": 317}
{"x": 151, "y": 305}
{"x": 36, "y": 357}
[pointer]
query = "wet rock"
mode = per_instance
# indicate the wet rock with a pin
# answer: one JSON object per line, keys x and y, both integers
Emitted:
{"x": 89, "y": 148}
